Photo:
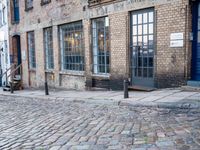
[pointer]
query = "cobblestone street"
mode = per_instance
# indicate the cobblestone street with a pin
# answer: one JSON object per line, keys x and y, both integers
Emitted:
{"x": 48, "y": 124}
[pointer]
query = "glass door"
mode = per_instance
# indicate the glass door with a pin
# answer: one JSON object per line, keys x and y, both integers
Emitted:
{"x": 142, "y": 47}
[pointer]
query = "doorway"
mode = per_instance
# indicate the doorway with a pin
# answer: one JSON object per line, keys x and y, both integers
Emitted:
{"x": 142, "y": 47}
{"x": 16, "y": 50}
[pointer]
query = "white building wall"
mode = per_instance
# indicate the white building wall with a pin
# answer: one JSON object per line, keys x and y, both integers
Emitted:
{"x": 4, "y": 39}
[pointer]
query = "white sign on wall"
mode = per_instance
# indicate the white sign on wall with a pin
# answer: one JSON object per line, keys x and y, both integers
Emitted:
{"x": 24, "y": 55}
{"x": 176, "y": 40}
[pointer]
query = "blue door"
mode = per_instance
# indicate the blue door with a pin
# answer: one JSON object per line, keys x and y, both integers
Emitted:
{"x": 196, "y": 42}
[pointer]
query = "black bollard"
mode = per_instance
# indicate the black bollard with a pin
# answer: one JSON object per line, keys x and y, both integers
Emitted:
{"x": 126, "y": 82}
{"x": 11, "y": 87}
{"x": 46, "y": 88}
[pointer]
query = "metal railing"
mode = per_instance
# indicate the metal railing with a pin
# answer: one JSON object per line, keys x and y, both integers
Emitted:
{"x": 12, "y": 75}
{"x": 6, "y": 72}
{"x": 18, "y": 68}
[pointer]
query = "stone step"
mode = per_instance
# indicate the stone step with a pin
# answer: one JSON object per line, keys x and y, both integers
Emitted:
{"x": 192, "y": 83}
{"x": 190, "y": 88}
{"x": 6, "y": 89}
{"x": 141, "y": 88}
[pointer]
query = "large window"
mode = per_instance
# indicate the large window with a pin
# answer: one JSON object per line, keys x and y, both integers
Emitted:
{"x": 101, "y": 46}
{"x": 72, "y": 49}
{"x": 31, "y": 50}
{"x": 48, "y": 47}
{"x": 29, "y": 4}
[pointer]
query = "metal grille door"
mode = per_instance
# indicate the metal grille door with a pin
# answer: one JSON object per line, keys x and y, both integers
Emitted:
{"x": 142, "y": 47}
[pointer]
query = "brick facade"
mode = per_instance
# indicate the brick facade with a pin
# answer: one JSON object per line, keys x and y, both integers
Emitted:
{"x": 171, "y": 65}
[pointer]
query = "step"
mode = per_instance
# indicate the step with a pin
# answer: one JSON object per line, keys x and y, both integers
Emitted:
{"x": 6, "y": 89}
{"x": 193, "y": 83}
{"x": 17, "y": 79}
{"x": 98, "y": 89}
{"x": 191, "y": 88}
{"x": 141, "y": 88}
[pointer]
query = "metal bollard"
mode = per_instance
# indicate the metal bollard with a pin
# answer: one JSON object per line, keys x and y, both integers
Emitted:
{"x": 11, "y": 87}
{"x": 46, "y": 88}
{"x": 126, "y": 82}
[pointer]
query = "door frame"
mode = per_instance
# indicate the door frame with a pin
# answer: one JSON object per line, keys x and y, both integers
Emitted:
{"x": 150, "y": 82}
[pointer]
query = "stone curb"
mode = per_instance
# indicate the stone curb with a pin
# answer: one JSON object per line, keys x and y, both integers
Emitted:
{"x": 129, "y": 103}
{"x": 183, "y": 105}
{"x": 69, "y": 99}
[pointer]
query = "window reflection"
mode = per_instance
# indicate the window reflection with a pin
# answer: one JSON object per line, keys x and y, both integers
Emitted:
{"x": 134, "y": 19}
{"x": 143, "y": 37}
{"x": 139, "y": 18}
{"x": 72, "y": 46}
{"x": 150, "y": 16}
{"x": 101, "y": 45}
{"x": 145, "y": 18}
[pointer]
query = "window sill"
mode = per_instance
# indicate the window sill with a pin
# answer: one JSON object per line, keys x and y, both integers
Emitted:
{"x": 44, "y": 3}
{"x": 28, "y": 9}
{"x": 72, "y": 73}
{"x": 15, "y": 22}
{"x": 106, "y": 76}
{"x": 32, "y": 70}
{"x": 49, "y": 71}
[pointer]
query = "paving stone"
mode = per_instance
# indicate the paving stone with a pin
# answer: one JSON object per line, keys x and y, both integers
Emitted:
{"x": 60, "y": 124}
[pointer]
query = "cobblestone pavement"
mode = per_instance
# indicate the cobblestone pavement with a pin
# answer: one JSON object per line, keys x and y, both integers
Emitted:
{"x": 48, "y": 124}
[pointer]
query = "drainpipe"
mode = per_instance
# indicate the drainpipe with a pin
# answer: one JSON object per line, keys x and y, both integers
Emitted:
{"x": 186, "y": 43}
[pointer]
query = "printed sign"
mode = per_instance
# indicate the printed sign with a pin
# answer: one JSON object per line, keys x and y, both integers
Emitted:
{"x": 176, "y": 40}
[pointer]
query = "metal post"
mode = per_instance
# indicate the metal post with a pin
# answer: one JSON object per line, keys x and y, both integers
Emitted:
{"x": 6, "y": 77}
{"x": 46, "y": 88}
{"x": 11, "y": 87}
{"x": 126, "y": 82}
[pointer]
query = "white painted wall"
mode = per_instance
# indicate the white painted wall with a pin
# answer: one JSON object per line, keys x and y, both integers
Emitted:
{"x": 4, "y": 39}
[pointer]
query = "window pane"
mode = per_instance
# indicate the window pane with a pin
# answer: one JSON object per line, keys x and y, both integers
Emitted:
{"x": 134, "y": 19}
{"x": 72, "y": 50}
{"x": 31, "y": 50}
{"x": 48, "y": 43}
{"x": 198, "y": 36}
{"x": 150, "y": 73}
{"x": 145, "y": 29}
{"x": 145, "y": 40}
{"x": 150, "y": 28}
{"x": 145, "y": 18}
{"x": 134, "y": 40}
{"x": 140, "y": 30}
{"x": 199, "y": 10}
{"x": 139, "y": 18}
{"x": 150, "y": 61}
{"x": 139, "y": 40}
{"x": 198, "y": 23}
{"x": 134, "y": 30}
{"x": 150, "y": 16}
{"x": 101, "y": 45}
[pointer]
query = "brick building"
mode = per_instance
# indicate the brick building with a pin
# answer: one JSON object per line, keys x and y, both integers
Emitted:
{"x": 98, "y": 43}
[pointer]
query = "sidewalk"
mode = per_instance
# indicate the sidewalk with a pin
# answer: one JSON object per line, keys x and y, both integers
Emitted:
{"x": 169, "y": 98}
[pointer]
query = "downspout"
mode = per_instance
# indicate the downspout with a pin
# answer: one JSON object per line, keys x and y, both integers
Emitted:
{"x": 186, "y": 43}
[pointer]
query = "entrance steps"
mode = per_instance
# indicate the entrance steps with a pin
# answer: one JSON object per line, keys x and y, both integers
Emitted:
{"x": 17, "y": 85}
